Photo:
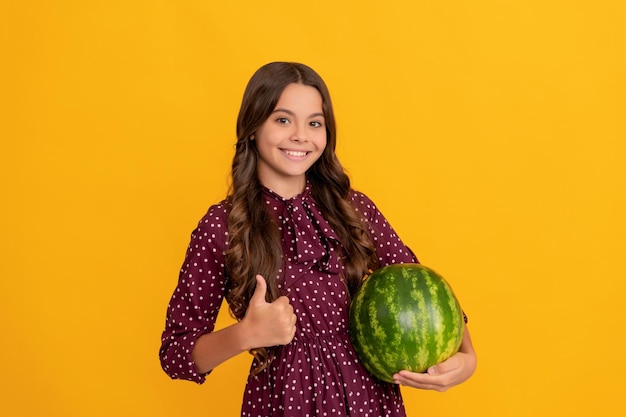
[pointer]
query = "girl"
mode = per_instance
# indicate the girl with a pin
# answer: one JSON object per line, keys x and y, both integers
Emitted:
{"x": 287, "y": 248}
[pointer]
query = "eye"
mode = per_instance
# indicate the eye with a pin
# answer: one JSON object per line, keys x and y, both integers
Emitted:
{"x": 282, "y": 120}
{"x": 316, "y": 123}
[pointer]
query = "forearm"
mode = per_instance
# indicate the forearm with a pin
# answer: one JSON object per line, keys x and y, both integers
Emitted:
{"x": 466, "y": 343}
{"x": 212, "y": 349}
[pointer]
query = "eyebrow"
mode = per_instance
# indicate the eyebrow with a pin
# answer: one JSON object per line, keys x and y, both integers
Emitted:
{"x": 289, "y": 112}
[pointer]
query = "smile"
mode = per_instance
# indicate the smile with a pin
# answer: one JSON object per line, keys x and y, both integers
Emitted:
{"x": 294, "y": 153}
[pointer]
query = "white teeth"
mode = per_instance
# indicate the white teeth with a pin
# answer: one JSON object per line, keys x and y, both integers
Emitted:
{"x": 295, "y": 153}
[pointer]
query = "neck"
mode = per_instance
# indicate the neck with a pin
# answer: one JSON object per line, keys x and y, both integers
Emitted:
{"x": 287, "y": 189}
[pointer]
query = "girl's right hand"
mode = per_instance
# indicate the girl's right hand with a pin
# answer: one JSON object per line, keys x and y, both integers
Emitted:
{"x": 269, "y": 324}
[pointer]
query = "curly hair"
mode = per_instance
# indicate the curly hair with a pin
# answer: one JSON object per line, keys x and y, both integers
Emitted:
{"x": 255, "y": 245}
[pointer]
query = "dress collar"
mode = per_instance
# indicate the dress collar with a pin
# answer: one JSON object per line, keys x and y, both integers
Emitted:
{"x": 303, "y": 195}
{"x": 313, "y": 240}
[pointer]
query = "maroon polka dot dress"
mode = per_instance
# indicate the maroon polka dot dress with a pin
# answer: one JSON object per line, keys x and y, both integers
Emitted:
{"x": 318, "y": 373}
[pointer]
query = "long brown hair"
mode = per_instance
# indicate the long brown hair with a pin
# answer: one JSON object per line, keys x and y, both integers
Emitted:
{"x": 255, "y": 246}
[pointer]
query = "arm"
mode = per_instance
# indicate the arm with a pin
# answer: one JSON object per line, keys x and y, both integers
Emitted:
{"x": 265, "y": 324}
{"x": 196, "y": 300}
{"x": 190, "y": 348}
{"x": 390, "y": 249}
{"x": 441, "y": 377}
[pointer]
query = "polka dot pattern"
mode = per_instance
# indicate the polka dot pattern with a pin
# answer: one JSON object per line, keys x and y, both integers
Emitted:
{"x": 318, "y": 373}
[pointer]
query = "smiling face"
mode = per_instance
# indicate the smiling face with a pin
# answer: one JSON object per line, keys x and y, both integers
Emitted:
{"x": 291, "y": 140}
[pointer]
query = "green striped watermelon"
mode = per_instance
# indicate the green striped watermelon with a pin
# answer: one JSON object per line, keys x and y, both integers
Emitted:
{"x": 404, "y": 316}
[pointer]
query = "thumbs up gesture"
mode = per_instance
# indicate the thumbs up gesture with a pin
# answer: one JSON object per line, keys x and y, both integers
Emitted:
{"x": 269, "y": 324}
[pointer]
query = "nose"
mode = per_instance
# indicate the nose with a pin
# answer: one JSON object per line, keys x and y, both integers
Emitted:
{"x": 299, "y": 133}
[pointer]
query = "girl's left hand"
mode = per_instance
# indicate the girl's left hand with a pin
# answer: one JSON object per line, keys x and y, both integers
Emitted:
{"x": 445, "y": 375}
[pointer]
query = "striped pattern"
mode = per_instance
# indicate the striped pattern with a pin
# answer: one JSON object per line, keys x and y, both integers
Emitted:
{"x": 404, "y": 316}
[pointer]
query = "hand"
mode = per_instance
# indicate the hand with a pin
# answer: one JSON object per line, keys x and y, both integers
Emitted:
{"x": 268, "y": 324}
{"x": 445, "y": 375}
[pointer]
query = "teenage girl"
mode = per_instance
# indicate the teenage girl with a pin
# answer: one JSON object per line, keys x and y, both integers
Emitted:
{"x": 287, "y": 248}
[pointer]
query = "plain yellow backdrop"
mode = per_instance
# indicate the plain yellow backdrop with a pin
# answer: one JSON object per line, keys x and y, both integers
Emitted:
{"x": 490, "y": 133}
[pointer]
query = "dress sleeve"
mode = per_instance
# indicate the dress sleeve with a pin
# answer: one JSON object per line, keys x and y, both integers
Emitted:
{"x": 196, "y": 301}
{"x": 389, "y": 246}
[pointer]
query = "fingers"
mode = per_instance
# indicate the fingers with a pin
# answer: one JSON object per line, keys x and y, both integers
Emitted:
{"x": 424, "y": 381}
{"x": 440, "y": 377}
{"x": 286, "y": 320}
{"x": 283, "y": 308}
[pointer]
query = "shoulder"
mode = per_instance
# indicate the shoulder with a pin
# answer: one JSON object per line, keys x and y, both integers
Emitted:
{"x": 214, "y": 223}
{"x": 362, "y": 204}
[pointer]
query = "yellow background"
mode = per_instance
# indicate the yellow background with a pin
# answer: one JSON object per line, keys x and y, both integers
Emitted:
{"x": 490, "y": 133}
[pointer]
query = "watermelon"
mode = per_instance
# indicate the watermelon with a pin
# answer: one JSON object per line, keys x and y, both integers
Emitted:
{"x": 404, "y": 316}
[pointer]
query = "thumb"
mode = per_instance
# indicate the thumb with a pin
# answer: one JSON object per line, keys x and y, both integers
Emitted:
{"x": 446, "y": 366}
{"x": 433, "y": 370}
{"x": 259, "y": 292}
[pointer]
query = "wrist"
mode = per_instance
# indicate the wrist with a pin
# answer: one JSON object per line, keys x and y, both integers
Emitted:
{"x": 241, "y": 333}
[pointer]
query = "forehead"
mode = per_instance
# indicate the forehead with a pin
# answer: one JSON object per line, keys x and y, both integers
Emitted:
{"x": 300, "y": 96}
